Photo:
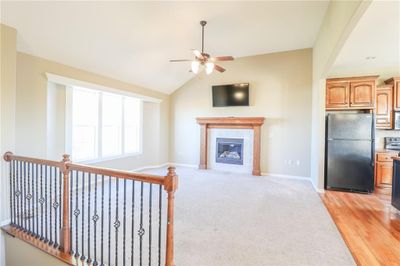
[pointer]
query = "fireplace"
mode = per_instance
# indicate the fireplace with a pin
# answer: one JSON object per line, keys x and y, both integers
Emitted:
{"x": 229, "y": 151}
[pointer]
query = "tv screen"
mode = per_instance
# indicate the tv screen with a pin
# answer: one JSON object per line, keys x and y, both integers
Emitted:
{"x": 231, "y": 95}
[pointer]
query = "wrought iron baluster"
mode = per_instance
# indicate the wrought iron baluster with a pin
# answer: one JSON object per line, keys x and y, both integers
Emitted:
{"x": 29, "y": 196}
{"x": 109, "y": 220}
{"x": 24, "y": 199}
{"x": 17, "y": 194}
{"x": 60, "y": 178}
{"x": 34, "y": 177}
{"x": 150, "y": 216}
{"x": 117, "y": 222}
{"x": 37, "y": 200}
{"x": 11, "y": 189}
{"x": 95, "y": 218}
{"x": 55, "y": 206}
{"x": 76, "y": 214}
{"x": 124, "y": 226}
{"x": 71, "y": 185}
{"x": 50, "y": 200}
{"x": 133, "y": 224}
{"x": 13, "y": 210}
{"x": 159, "y": 223}
{"x": 41, "y": 201}
{"x": 89, "y": 193}
{"x": 46, "y": 239}
{"x": 141, "y": 230}
{"x": 83, "y": 217}
{"x": 102, "y": 222}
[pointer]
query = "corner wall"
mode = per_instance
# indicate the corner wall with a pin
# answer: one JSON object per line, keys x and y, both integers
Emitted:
{"x": 7, "y": 116}
{"x": 280, "y": 91}
{"x": 340, "y": 19}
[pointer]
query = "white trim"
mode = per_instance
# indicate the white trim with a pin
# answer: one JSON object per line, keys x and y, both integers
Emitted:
{"x": 287, "y": 176}
{"x": 5, "y": 222}
{"x": 318, "y": 190}
{"x": 184, "y": 165}
{"x": 149, "y": 167}
{"x": 74, "y": 82}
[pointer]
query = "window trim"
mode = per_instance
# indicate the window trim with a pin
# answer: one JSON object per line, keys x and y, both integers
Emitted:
{"x": 100, "y": 158}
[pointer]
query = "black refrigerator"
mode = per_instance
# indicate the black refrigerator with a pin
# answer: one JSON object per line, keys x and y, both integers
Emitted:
{"x": 349, "y": 152}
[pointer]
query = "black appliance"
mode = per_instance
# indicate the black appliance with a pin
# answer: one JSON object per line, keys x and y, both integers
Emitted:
{"x": 231, "y": 95}
{"x": 392, "y": 143}
{"x": 349, "y": 152}
{"x": 396, "y": 185}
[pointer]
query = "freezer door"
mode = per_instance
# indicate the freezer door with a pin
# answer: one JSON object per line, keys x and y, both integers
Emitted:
{"x": 350, "y": 165}
{"x": 350, "y": 126}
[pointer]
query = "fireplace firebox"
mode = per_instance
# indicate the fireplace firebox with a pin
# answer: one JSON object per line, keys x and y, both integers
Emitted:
{"x": 229, "y": 151}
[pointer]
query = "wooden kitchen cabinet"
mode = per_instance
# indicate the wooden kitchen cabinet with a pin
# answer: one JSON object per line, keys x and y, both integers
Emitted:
{"x": 384, "y": 169}
{"x": 350, "y": 93}
{"x": 395, "y": 83}
{"x": 337, "y": 95}
{"x": 384, "y": 107}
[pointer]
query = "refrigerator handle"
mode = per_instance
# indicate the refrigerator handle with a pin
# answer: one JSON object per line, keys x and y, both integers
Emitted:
{"x": 373, "y": 141}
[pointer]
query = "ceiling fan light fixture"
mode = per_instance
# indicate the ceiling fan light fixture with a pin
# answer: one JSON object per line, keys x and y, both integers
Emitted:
{"x": 195, "y": 66}
{"x": 209, "y": 68}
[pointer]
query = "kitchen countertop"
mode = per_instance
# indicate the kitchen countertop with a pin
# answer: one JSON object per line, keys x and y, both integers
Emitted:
{"x": 386, "y": 151}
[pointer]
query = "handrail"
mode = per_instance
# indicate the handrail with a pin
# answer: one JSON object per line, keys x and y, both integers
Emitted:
{"x": 8, "y": 156}
{"x": 169, "y": 182}
{"x": 154, "y": 179}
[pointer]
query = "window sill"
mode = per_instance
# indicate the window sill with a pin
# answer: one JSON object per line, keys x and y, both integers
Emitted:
{"x": 109, "y": 158}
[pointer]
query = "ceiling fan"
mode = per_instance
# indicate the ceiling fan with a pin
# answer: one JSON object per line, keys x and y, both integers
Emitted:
{"x": 204, "y": 59}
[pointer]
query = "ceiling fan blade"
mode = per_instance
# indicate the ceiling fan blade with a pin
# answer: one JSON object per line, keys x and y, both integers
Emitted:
{"x": 180, "y": 60}
{"x": 198, "y": 54}
{"x": 219, "y": 68}
{"x": 221, "y": 58}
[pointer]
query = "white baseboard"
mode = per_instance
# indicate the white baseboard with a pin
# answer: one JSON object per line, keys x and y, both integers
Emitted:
{"x": 287, "y": 176}
{"x": 185, "y": 165}
{"x": 5, "y": 222}
{"x": 318, "y": 190}
{"x": 147, "y": 167}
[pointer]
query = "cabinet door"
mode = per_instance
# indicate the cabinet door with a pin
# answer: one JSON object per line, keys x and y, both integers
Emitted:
{"x": 337, "y": 95}
{"x": 396, "y": 87}
{"x": 384, "y": 172}
{"x": 384, "y": 101}
{"x": 362, "y": 94}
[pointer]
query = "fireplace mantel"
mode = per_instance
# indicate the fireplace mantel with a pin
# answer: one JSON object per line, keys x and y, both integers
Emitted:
{"x": 254, "y": 123}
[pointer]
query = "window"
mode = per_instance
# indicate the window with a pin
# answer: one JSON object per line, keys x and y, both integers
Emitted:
{"x": 104, "y": 125}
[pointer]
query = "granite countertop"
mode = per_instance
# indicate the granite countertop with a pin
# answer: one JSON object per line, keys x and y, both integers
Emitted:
{"x": 386, "y": 151}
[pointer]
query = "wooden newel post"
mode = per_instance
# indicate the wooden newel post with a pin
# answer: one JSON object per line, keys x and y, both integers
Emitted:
{"x": 170, "y": 185}
{"x": 65, "y": 228}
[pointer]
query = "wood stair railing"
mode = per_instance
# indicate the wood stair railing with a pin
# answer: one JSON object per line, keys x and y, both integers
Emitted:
{"x": 75, "y": 212}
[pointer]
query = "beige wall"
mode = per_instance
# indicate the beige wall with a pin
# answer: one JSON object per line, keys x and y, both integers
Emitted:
{"x": 280, "y": 91}
{"x": 7, "y": 115}
{"x": 340, "y": 19}
{"x": 21, "y": 253}
{"x": 33, "y": 118}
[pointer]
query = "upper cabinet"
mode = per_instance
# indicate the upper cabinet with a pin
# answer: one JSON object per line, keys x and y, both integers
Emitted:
{"x": 384, "y": 107}
{"x": 395, "y": 83}
{"x": 337, "y": 95}
{"x": 351, "y": 93}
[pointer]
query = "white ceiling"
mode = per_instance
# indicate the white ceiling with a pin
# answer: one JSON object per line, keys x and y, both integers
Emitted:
{"x": 377, "y": 34}
{"x": 133, "y": 41}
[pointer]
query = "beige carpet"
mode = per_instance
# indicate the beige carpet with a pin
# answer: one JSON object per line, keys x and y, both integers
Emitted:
{"x": 235, "y": 219}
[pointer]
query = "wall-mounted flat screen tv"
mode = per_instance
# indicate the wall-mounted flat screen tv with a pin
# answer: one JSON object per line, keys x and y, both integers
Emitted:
{"x": 231, "y": 95}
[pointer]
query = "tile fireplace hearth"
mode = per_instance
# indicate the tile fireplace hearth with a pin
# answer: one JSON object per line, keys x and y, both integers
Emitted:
{"x": 253, "y": 123}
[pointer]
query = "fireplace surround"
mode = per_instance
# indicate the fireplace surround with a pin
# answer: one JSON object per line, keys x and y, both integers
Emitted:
{"x": 253, "y": 123}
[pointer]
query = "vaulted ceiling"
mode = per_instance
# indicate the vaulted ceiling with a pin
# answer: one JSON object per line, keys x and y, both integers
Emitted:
{"x": 374, "y": 44}
{"x": 133, "y": 41}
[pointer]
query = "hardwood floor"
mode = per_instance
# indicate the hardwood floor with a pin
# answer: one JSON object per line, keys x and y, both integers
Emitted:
{"x": 369, "y": 225}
